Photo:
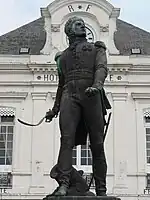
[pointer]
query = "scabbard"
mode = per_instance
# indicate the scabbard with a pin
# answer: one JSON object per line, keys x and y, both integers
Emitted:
{"x": 29, "y": 124}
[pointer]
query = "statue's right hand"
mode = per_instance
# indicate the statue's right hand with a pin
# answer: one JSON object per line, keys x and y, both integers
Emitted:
{"x": 49, "y": 116}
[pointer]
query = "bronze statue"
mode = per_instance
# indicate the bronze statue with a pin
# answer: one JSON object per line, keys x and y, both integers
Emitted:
{"x": 82, "y": 104}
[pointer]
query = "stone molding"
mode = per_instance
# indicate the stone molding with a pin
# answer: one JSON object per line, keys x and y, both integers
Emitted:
{"x": 119, "y": 96}
{"x": 53, "y": 95}
{"x": 14, "y": 95}
{"x": 55, "y": 27}
{"x": 115, "y": 13}
{"x": 39, "y": 95}
{"x": 140, "y": 96}
{"x": 18, "y": 173}
{"x": 42, "y": 67}
{"x": 45, "y": 13}
{"x": 104, "y": 28}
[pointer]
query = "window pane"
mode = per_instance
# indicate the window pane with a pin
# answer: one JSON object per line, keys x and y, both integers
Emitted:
{"x": 8, "y": 160}
{"x": 9, "y": 152}
{"x": 147, "y": 119}
{"x": 83, "y": 153}
{"x": 74, "y": 153}
{"x": 7, "y": 118}
{"x": 89, "y": 153}
{"x": 2, "y": 145}
{"x": 2, "y": 137}
{"x": 10, "y": 129}
{"x": 2, "y": 153}
{"x": 2, "y": 161}
{"x": 74, "y": 161}
{"x": 147, "y": 130}
{"x": 148, "y": 159}
{"x": 83, "y": 161}
{"x": 10, "y": 137}
{"x": 9, "y": 145}
{"x": 148, "y": 145}
{"x": 148, "y": 138}
{"x": 148, "y": 152}
{"x": 3, "y": 129}
{"x": 89, "y": 161}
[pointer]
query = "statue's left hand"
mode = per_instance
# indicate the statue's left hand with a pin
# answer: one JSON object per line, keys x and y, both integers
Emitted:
{"x": 91, "y": 91}
{"x": 49, "y": 116}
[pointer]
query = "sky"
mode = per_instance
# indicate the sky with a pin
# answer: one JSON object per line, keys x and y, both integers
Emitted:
{"x": 15, "y": 13}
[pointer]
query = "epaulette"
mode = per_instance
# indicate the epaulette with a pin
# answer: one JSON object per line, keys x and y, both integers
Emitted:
{"x": 100, "y": 44}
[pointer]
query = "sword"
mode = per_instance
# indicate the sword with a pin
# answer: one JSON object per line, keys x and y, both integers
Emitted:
{"x": 105, "y": 132}
{"x": 38, "y": 123}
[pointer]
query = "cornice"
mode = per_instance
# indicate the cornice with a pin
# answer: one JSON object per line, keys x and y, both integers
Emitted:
{"x": 119, "y": 67}
{"x": 119, "y": 96}
{"x": 14, "y": 95}
{"x": 54, "y": 84}
{"x": 18, "y": 173}
{"x": 42, "y": 67}
{"x": 115, "y": 13}
{"x": 140, "y": 69}
{"x": 45, "y": 13}
{"x": 49, "y": 67}
{"x": 140, "y": 96}
{"x": 129, "y": 68}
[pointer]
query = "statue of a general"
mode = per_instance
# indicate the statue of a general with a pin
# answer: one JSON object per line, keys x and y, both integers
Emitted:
{"x": 82, "y": 104}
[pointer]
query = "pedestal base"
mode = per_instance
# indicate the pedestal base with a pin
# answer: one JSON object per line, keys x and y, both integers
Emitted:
{"x": 84, "y": 198}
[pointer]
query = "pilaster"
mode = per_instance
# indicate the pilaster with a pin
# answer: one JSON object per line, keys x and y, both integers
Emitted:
{"x": 38, "y": 139}
{"x": 120, "y": 142}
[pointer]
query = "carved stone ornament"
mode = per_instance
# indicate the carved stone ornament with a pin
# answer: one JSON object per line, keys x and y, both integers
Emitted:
{"x": 55, "y": 28}
{"x": 104, "y": 28}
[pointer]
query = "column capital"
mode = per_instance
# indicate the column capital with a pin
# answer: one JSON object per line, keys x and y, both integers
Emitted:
{"x": 119, "y": 96}
{"x": 39, "y": 95}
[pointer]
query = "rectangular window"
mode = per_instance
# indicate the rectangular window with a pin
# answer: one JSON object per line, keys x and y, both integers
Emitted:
{"x": 6, "y": 139}
{"x": 86, "y": 158}
{"x": 74, "y": 156}
{"x": 148, "y": 181}
{"x": 81, "y": 155}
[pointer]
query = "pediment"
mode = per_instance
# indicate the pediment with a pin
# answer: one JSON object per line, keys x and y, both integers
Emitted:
{"x": 99, "y": 16}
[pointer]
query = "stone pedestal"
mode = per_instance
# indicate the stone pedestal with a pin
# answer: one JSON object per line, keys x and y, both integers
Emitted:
{"x": 84, "y": 198}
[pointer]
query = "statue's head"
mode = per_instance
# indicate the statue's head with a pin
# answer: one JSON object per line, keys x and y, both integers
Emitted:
{"x": 75, "y": 26}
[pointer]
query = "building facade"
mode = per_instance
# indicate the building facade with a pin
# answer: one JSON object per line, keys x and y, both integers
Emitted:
{"x": 28, "y": 83}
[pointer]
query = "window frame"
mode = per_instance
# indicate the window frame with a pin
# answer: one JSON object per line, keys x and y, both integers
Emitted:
{"x": 8, "y": 167}
{"x": 86, "y": 168}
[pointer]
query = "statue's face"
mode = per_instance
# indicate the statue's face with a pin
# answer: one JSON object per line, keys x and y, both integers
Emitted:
{"x": 78, "y": 28}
